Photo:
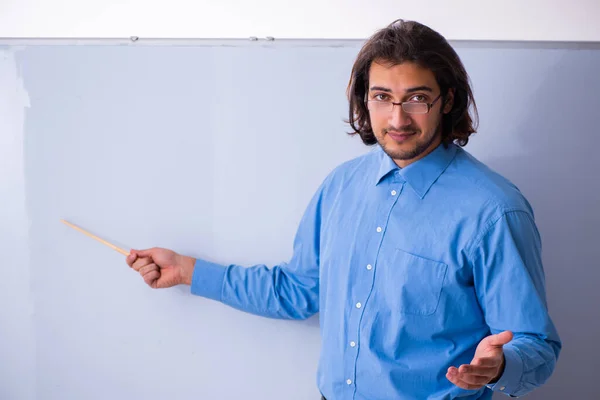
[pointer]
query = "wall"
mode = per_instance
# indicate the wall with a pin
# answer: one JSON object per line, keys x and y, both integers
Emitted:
{"x": 17, "y": 340}
{"x": 214, "y": 151}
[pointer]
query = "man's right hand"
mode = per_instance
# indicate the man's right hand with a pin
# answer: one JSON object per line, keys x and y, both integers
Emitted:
{"x": 162, "y": 268}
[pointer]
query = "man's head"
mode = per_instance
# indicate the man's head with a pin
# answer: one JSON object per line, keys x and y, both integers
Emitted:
{"x": 407, "y": 62}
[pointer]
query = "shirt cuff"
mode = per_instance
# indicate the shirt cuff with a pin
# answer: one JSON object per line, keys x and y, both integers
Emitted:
{"x": 207, "y": 279}
{"x": 513, "y": 371}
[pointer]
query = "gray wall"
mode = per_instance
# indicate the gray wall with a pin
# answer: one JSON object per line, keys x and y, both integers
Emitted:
{"x": 214, "y": 151}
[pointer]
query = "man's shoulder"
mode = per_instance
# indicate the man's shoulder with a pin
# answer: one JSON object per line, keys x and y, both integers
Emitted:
{"x": 487, "y": 186}
{"x": 362, "y": 166}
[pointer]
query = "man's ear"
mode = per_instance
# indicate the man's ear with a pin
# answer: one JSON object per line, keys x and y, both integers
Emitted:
{"x": 449, "y": 101}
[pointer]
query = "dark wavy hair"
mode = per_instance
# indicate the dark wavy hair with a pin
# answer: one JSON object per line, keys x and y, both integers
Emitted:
{"x": 410, "y": 41}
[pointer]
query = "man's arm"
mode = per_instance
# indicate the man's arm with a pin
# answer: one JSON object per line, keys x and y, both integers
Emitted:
{"x": 289, "y": 290}
{"x": 510, "y": 284}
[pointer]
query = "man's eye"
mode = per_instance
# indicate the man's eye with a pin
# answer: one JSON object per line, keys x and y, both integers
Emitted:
{"x": 419, "y": 98}
{"x": 381, "y": 97}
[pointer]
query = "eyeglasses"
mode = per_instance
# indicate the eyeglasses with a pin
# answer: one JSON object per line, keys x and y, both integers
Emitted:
{"x": 409, "y": 107}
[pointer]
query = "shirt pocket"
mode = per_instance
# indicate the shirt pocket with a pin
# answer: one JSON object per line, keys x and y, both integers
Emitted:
{"x": 414, "y": 283}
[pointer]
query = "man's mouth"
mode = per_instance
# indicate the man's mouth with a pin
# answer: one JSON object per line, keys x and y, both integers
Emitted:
{"x": 400, "y": 136}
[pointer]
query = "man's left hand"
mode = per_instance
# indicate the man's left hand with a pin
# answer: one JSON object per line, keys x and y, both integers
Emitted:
{"x": 487, "y": 364}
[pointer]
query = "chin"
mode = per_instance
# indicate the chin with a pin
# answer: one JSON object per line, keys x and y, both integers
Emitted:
{"x": 402, "y": 155}
{"x": 398, "y": 151}
{"x": 409, "y": 149}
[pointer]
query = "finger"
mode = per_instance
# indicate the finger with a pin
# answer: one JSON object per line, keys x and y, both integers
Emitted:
{"x": 476, "y": 370}
{"x": 131, "y": 258}
{"x": 465, "y": 385}
{"x": 453, "y": 376}
{"x": 141, "y": 262}
{"x": 500, "y": 339}
{"x": 146, "y": 252}
{"x": 493, "y": 362}
{"x": 147, "y": 268}
{"x": 472, "y": 379}
{"x": 151, "y": 277}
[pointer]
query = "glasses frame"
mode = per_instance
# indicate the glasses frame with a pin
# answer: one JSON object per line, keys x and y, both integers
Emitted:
{"x": 402, "y": 104}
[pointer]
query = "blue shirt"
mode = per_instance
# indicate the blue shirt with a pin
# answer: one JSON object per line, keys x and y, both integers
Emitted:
{"x": 409, "y": 270}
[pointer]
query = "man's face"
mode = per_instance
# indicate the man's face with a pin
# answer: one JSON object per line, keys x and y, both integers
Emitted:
{"x": 405, "y": 137}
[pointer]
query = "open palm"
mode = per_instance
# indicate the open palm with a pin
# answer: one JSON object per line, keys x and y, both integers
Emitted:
{"x": 486, "y": 366}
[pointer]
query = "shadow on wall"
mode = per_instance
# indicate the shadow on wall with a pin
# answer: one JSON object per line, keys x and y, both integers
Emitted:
{"x": 556, "y": 131}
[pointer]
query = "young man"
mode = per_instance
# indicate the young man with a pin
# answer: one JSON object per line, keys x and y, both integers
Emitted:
{"x": 424, "y": 264}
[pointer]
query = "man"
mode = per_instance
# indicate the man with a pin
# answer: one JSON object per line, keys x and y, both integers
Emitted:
{"x": 423, "y": 263}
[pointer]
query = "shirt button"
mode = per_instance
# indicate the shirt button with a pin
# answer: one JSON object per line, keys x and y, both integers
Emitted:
{"x": 378, "y": 229}
{"x": 358, "y": 305}
{"x": 349, "y": 381}
{"x": 502, "y": 388}
{"x": 394, "y": 193}
{"x": 352, "y": 344}
{"x": 369, "y": 267}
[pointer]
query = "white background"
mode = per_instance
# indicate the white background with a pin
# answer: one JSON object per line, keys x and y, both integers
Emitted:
{"x": 539, "y": 20}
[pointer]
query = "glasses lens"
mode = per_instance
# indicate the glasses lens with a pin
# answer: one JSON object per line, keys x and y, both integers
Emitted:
{"x": 380, "y": 106}
{"x": 415, "y": 108}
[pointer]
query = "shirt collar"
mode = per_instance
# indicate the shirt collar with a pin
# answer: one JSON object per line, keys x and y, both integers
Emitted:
{"x": 423, "y": 173}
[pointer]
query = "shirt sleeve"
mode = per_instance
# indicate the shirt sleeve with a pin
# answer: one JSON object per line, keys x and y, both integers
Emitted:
{"x": 288, "y": 291}
{"x": 510, "y": 285}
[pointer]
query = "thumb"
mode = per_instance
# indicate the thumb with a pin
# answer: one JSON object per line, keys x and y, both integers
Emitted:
{"x": 131, "y": 258}
{"x": 142, "y": 253}
{"x": 500, "y": 339}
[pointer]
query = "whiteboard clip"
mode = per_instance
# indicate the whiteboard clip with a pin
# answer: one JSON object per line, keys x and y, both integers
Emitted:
{"x": 270, "y": 38}
{"x": 134, "y": 38}
{"x": 253, "y": 38}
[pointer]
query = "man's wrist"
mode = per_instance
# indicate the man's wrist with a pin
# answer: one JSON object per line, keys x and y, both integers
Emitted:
{"x": 500, "y": 371}
{"x": 187, "y": 269}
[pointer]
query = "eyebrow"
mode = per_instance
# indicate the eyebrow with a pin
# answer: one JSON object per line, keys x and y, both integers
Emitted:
{"x": 409, "y": 90}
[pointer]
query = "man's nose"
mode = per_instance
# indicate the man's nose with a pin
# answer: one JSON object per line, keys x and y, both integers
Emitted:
{"x": 399, "y": 117}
